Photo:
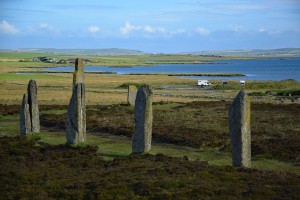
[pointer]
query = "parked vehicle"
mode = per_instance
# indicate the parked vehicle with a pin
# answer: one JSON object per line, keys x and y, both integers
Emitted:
{"x": 203, "y": 83}
{"x": 242, "y": 82}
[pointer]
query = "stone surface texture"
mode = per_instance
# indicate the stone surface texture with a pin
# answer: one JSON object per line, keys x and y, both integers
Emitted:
{"x": 76, "y": 116}
{"x": 141, "y": 139}
{"x": 33, "y": 106}
{"x": 132, "y": 91}
{"x": 25, "y": 122}
{"x": 239, "y": 128}
{"x": 78, "y": 76}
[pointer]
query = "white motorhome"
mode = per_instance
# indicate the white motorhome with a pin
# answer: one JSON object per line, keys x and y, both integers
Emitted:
{"x": 203, "y": 83}
{"x": 242, "y": 82}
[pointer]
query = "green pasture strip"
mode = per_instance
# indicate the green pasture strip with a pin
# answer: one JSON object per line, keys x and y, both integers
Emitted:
{"x": 14, "y": 77}
{"x": 256, "y": 85}
{"x": 22, "y": 65}
{"x": 110, "y": 147}
{"x": 21, "y": 55}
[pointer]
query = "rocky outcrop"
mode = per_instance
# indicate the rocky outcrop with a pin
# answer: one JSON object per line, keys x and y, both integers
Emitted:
{"x": 141, "y": 139}
{"x": 29, "y": 114}
{"x": 33, "y": 106}
{"x": 239, "y": 128}
{"x": 25, "y": 123}
{"x": 76, "y": 116}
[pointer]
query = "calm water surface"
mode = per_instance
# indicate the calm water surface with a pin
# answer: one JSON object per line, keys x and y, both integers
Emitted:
{"x": 275, "y": 69}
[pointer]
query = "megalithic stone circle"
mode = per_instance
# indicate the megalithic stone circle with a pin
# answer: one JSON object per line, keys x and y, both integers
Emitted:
{"x": 78, "y": 76}
{"x": 143, "y": 117}
{"x": 33, "y": 106}
{"x": 132, "y": 90}
{"x": 76, "y": 116}
{"x": 239, "y": 128}
{"x": 25, "y": 122}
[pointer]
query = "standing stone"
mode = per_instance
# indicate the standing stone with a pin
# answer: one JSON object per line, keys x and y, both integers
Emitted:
{"x": 141, "y": 139}
{"x": 33, "y": 107}
{"x": 78, "y": 76}
{"x": 239, "y": 128}
{"x": 132, "y": 90}
{"x": 76, "y": 116}
{"x": 25, "y": 123}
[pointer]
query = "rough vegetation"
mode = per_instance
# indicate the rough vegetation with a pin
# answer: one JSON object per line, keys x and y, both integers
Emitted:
{"x": 35, "y": 170}
{"x": 275, "y": 127}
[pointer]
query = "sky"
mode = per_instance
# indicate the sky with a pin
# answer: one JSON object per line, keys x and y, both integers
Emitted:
{"x": 157, "y": 26}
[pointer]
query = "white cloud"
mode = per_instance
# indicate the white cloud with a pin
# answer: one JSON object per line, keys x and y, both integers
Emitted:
{"x": 261, "y": 30}
{"x": 242, "y": 6}
{"x": 161, "y": 30}
{"x": 44, "y": 28}
{"x": 128, "y": 28}
{"x": 178, "y": 31}
{"x": 7, "y": 28}
{"x": 148, "y": 30}
{"x": 94, "y": 29}
{"x": 275, "y": 32}
{"x": 237, "y": 28}
{"x": 202, "y": 31}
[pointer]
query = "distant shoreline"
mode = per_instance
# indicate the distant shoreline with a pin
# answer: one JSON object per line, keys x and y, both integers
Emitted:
{"x": 191, "y": 74}
{"x": 167, "y": 74}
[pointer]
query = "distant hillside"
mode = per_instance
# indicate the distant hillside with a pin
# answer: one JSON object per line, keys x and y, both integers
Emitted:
{"x": 110, "y": 51}
{"x": 284, "y": 52}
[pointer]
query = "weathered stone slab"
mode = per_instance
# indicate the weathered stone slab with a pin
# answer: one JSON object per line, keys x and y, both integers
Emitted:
{"x": 141, "y": 139}
{"x": 25, "y": 123}
{"x": 33, "y": 106}
{"x": 239, "y": 128}
{"x": 78, "y": 76}
{"x": 76, "y": 116}
{"x": 132, "y": 91}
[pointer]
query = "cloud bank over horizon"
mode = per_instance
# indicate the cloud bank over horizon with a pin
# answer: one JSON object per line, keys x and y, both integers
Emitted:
{"x": 152, "y": 26}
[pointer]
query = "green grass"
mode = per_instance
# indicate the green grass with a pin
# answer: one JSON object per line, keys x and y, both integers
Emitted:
{"x": 120, "y": 60}
{"x": 10, "y": 127}
{"x": 23, "y": 55}
{"x": 14, "y": 77}
{"x": 288, "y": 84}
{"x": 111, "y": 146}
{"x": 21, "y": 65}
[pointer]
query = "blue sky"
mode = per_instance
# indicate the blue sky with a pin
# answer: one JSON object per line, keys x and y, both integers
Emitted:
{"x": 167, "y": 26}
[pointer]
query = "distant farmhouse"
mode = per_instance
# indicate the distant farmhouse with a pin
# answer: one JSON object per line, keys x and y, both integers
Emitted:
{"x": 44, "y": 59}
{"x": 54, "y": 60}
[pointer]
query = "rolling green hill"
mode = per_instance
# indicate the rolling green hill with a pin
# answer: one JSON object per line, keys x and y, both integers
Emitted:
{"x": 110, "y": 51}
{"x": 284, "y": 52}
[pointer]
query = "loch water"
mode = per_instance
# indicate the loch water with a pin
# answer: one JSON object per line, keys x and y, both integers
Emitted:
{"x": 263, "y": 69}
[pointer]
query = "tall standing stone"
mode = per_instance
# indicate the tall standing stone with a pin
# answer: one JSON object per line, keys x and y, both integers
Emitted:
{"x": 76, "y": 116}
{"x": 78, "y": 76}
{"x": 33, "y": 106}
{"x": 239, "y": 128}
{"x": 141, "y": 139}
{"x": 132, "y": 90}
{"x": 25, "y": 123}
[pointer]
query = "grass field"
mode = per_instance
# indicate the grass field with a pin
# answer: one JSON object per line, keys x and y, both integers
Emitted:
{"x": 198, "y": 132}
{"x": 106, "y": 89}
{"x": 190, "y": 123}
{"x": 114, "y": 60}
